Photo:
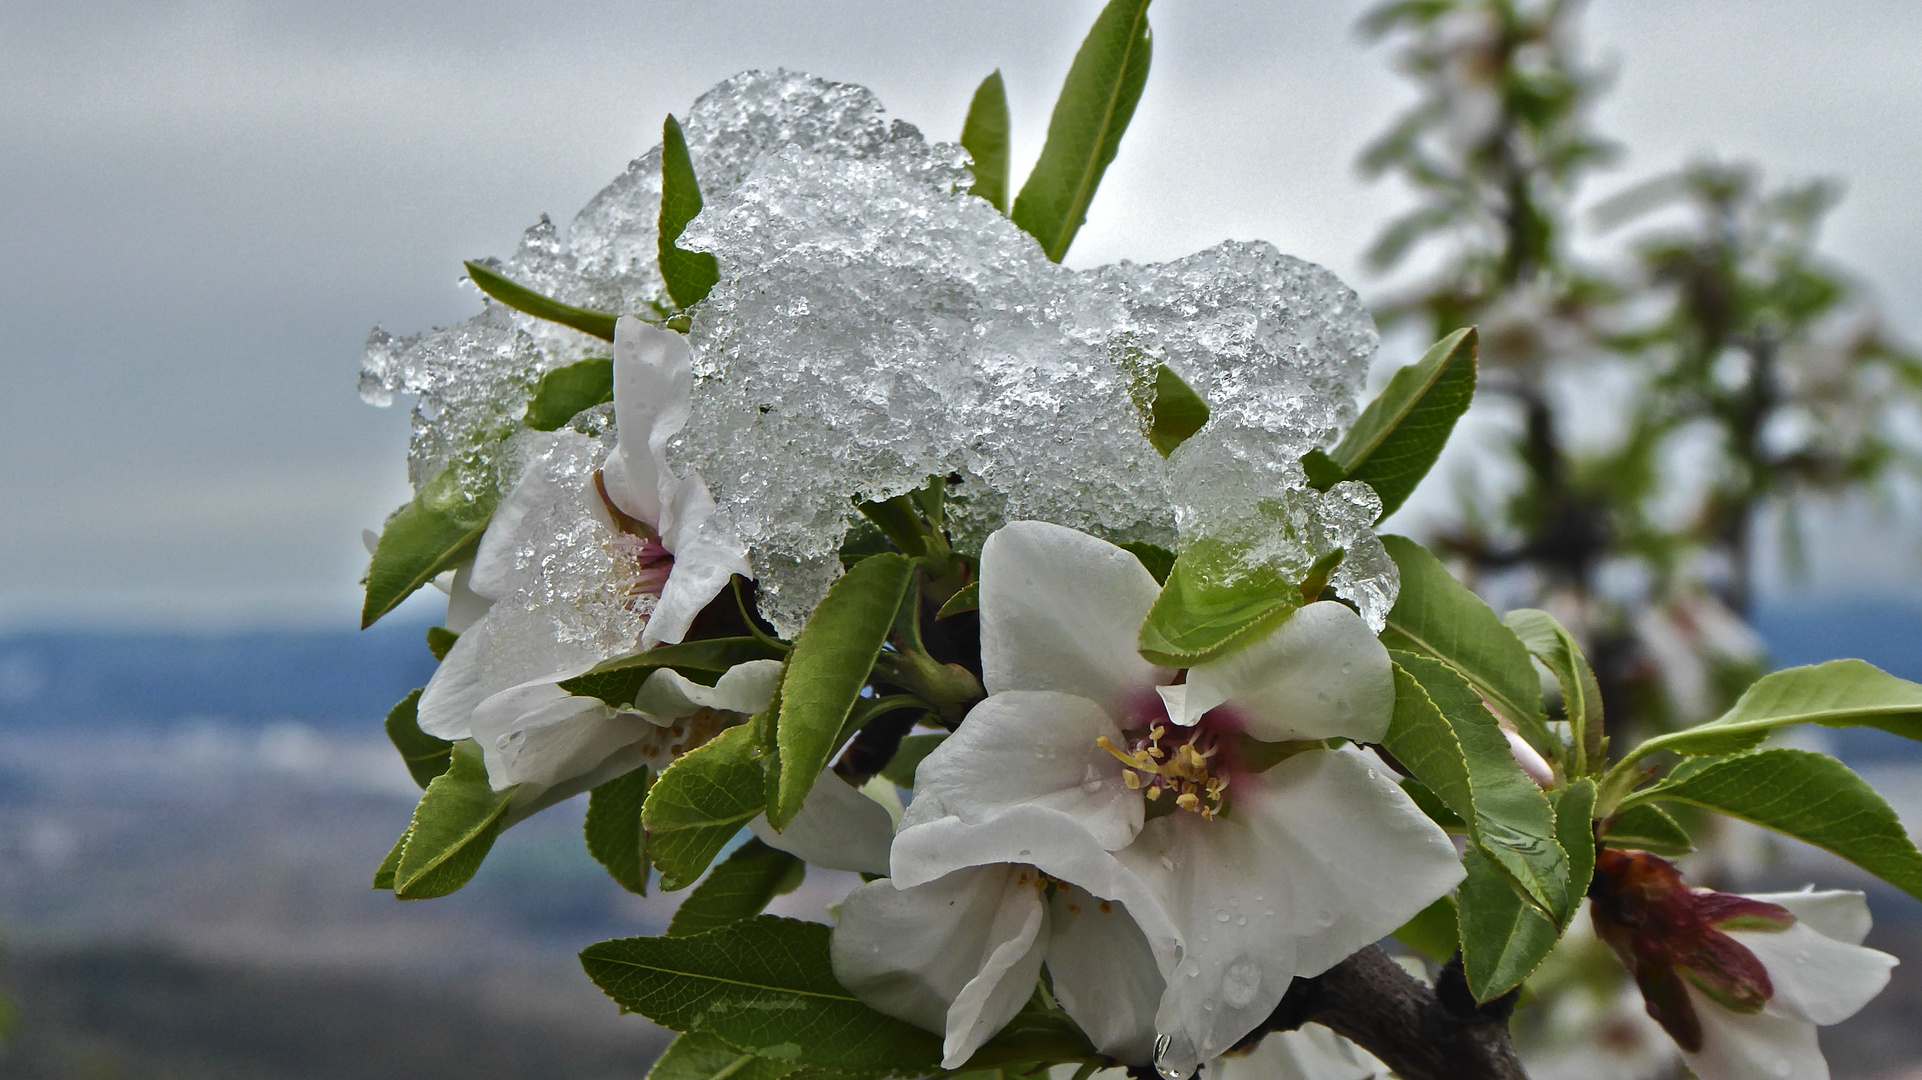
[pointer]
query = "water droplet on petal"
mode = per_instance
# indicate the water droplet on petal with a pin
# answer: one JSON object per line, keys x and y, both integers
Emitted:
{"x": 1167, "y": 863}
{"x": 1221, "y": 916}
{"x": 1347, "y": 667}
{"x": 1324, "y": 918}
{"x": 1027, "y": 853}
{"x": 1091, "y": 779}
{"x": 1241, "y": 920}
{"x": 1322, "y": 697}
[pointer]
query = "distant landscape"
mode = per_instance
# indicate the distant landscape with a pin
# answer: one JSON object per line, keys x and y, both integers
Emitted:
{"x": 189, "y": 825}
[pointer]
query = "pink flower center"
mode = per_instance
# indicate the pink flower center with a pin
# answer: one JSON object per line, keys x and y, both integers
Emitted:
{"x": 1191, "y": 765}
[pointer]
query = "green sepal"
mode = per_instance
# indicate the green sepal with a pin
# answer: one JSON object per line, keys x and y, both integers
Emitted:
{"x": 703, "y": 799}
{"x": 616, "y": 681}
{"x": 1437, "y": 616}
{"x": 528, "y": 302}
{"x": 1811, "y": 797}
{"x": 763, "y": 984}
{"x": 831, "y": 663}
{"x": 740, "y": 887}
{"x": 1178, "y": 412}
{"x": 419, "y": 541}
{"x": 1555, "y": 647}
{"x": 985, "y": 137}
{"x": 1097, "y": 101}
{"x": 454, "y": 827}
{"x": 426, "y": 756}
{"x": 566, "y": 392}
{"x": 1401, "y": 433}
{"x": 1212, "y": 605}
{"x": 689, "y": 275}
{"x": 613, "y": 829}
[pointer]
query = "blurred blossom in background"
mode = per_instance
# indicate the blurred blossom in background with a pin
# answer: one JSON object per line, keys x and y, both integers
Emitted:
{"x": 204, "y": 206}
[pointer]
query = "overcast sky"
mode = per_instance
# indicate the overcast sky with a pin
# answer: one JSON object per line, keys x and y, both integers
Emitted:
{"x": 205, "y": 205}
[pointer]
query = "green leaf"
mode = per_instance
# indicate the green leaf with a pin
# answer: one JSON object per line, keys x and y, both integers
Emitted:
{"x": 1551, "y": 643}
{"x": 1211, "y": 605}
{"x": 985, "y": 137}
{"x": 1097, "y": 101}
{"x": 1840, "y": 693}
{"x": 1503, "y": 938}
{"x": 440, "y": 641}
{"x": 1435, "y": 932}
{"x": 1428, "y": 803}
{"x": 528, "y": 302}
{"x": 830, "y": 664}
{"x": 1811, "y": 797}
{"x": 1649, "y": 828}
{"x": 1402, "y": 432}
{"x": 384, "y": 874}
{"x": 1575, "y": 831}
{"x": 419, "y": 541}
{"x": 739, "y": 888}
{"x": 703, "y": 799}
{"x": 564, "y": 393}
{"x": 1323, "y": 472}
{"x": 1447, "y": 739}
{"x": 1159, "y": 561}
{"x": 616, "y": 681}
{"x": 704, "y": 1057}
{"x": 454, "y": 827}
{"x": 426, "y": 756}
{"x": 1440, "y": 617}
{"x": 762, "y": 984}
{"x": 689, "y": 274}
{"x": 613, "y": 829}
{"x": 1179, "y": 412}
{"x": 900, "y": 771}
{"x": 967, "y": 598}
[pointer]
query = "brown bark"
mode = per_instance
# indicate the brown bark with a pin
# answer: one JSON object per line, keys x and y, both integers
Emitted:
{"x": 1422, "y": 1033}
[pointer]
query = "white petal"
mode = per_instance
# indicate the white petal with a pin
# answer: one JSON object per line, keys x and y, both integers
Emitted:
{"x": 935, "y": 845}
{"x": 1062, "y": 610}
{"x": 1753, "y": 1047}
{"x": 512, "y": 644}
{"x": 446, "y": 707}
{"x": 1029, "y": 748}
{"x": 465, "y": 605}
{"x": 959, "y": 955}
{"x": 704, "y": 562}
{"x": 1104, "y": 973}
{"x": 1311, "y": 1053}
{"x": 747, "y": 688}
{"x": 838, "y": 827}
{"x": 653, "y": 384}
{"x": 1816, "y": 978}
{"x": 539, "y": 735}
{"x": 1321, "y": 674}
{"x": 1842, "y": 914}
{"x": 534, "y": 492}
{"x": 1315, "y": 858}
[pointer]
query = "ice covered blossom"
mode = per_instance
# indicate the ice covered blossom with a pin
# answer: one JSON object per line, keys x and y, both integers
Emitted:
{"x": 1090, "y": 775}
{"x": 1739, "y": 982}
{"x": 499, "y": 682}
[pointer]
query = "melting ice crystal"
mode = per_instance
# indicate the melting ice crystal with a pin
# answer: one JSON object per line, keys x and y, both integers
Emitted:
{"x": 875, "y": 325}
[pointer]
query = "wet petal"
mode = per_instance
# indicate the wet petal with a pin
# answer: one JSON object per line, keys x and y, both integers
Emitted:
{"x": 653, "y": 385}
{"x": 668, "y": 695}
{"x": 1314, "y": 859}
{"x": 1842, "y": 914}
{"x": 1033, "y": 749}
{"x": 1062, "y": 610}
{"x": 1104, "y": 973}
{"x": 1319, "y": 675}
{"x": 1816, "y": 978}
{"x": 539, "y": 735}
{"x": 704, "y": 562}
{"x": 958, "y": 956}
{"x": 1753, "y": 1047}
{"x": 838, "y": 827}
{"x": 1311, "y": 1053}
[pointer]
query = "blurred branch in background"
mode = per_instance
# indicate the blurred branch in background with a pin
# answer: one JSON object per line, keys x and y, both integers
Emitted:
{"x": 1709, "y": 367}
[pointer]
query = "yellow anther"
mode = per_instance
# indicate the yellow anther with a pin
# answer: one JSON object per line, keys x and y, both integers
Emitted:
{"x": 1132, "y": 779}
{"x": 1188, "y": 801}
{"x": 1153, "y": 793}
